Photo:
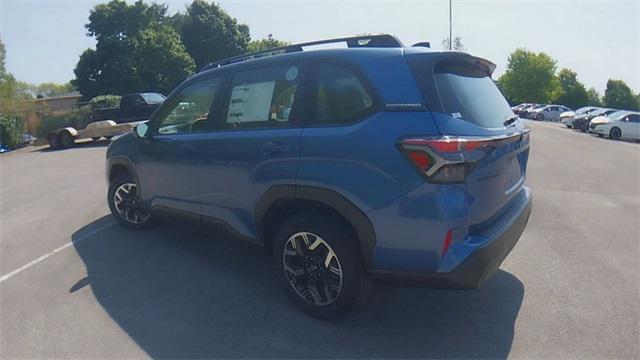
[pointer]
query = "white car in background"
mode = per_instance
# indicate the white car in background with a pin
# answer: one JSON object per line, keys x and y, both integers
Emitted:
{"x": 603, "y": 119}
{"x": 625, "y": 126}
{"x": 548, "y": 112}
{"x": 567, "y": 117}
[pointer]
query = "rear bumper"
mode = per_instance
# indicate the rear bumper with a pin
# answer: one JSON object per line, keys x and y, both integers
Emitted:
{"x": 476, "y": 268}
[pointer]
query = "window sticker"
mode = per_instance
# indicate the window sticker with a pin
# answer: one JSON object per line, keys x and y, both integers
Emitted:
{"x": 251, "y": 102}
{"x": 292, "y": 73}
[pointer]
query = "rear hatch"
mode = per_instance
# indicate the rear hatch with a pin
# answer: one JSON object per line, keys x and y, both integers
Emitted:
{"x": 467, "y": 105}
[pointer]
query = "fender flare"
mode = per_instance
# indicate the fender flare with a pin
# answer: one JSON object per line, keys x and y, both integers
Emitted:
{"x": 121, "y": 160}
{"x": 343, "y": 206}
{"x": 69, "y": 129}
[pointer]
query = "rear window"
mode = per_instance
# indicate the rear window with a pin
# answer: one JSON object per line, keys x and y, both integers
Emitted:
{"x": 465, "y": 89}
{"x": 153, "y": 98}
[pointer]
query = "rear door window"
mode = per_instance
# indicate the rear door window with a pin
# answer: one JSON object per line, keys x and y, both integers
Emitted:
{"x": 262, "y": 98}
{"x": 338, "y": 95}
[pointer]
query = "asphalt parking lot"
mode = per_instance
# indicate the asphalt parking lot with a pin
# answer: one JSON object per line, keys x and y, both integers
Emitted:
{"x": 74, "y": 284}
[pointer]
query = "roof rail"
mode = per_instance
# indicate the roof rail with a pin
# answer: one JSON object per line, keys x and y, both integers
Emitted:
{"x": 370, "y": 41}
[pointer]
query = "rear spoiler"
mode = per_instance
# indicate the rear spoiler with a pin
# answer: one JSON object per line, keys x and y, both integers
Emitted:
{"x": 460, "y": 64}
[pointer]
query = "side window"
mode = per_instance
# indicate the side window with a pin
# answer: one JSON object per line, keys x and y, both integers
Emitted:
{"x": 189, "y": 110}
{"x": 634, "y": 118}
{"x": 339, "y": 96}
{"x": 262, "y": 98}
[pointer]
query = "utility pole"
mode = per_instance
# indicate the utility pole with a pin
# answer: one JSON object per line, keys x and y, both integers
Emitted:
{"x": 450, "y": 28}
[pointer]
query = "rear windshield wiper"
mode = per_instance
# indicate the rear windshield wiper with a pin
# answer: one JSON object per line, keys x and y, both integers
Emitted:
{"x": 510, "y": 120}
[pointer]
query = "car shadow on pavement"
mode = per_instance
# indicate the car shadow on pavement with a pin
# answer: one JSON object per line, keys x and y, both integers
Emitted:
{"x": 78, "y": 145}
{"x": 179, "y": 292}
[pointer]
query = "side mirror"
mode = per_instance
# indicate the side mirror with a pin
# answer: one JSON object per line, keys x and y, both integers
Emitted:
{"x": 141, "y": 130}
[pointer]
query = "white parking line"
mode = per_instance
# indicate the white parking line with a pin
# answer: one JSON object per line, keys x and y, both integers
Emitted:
{"x": 51, "y": 253}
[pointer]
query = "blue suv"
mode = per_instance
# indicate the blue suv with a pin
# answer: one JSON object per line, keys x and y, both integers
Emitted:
{"x": 374, "y": 161}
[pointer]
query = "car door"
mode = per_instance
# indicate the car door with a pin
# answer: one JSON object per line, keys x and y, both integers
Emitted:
{"x": 631, "y": 126}
{"x": 168, "y": 160}
{"x": 255, "y": 146}
{"x": 126, "y": 103}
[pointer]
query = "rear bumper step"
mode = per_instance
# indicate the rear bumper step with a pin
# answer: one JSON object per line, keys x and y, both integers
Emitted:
{"x": 471, "y": 273}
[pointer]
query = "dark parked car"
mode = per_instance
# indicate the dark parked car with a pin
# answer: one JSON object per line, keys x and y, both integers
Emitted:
{"x": 373, "y": 161}
{"x": 133, "y": 107}
{"x": 581, "y": 122}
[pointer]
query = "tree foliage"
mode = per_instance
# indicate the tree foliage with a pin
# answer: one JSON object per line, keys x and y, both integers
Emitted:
{"x": 574, "y": 94}
{"x": 530, "y": 77}
{"x": 209, "y": 33}
{"x": 594, "y": 97}
{"x": 135, "y": 51}
{"x": 265, "y": 44}
{"x": 12, "y": 105}
{"x": 619, "y": 96}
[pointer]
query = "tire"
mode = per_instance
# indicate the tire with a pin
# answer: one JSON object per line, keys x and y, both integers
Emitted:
{"x": 54, "y": 143}
{"x": 615, "y": 133}
{"x": 66, "y": 140}
{"x": 540, "y": 117}
{"x": 344, "y": 283}
{"x": 130, "y": 214}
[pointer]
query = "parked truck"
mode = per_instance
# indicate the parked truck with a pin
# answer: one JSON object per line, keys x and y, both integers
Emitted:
{"x": 108, "y": 122}
{"x": 133, "y": 107}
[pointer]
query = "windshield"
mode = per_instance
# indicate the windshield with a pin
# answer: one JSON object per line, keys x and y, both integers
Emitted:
{"x": 153, "y": 98}
{"x": 583, "y": 110}
{"x": 474, "y": 99}
{"x": 598, "y": 112}
{"x": 618, "y": 114}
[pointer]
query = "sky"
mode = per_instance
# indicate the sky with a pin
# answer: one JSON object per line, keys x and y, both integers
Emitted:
{"x": 597, "y": 39}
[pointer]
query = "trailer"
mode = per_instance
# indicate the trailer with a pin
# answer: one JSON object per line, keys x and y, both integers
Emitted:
{"x": 66, "y": 137}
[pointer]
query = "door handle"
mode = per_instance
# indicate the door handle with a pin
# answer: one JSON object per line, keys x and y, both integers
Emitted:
{"x": 273, "y": 147}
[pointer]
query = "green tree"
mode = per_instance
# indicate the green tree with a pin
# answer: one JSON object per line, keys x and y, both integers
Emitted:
{"x": 593, "y": 97}
{"x": 210, "y": 34}
{"x": 118, "y": 21}
{"x": 265, "y": 44}
{"x": 530, "y": 77}
{"x": 574, "y": 94}
{"x": 131, "y": 40}
{"x": 162, "y": 59}
{"x": 12, "y": 105}
{"x": 619, "y": 96}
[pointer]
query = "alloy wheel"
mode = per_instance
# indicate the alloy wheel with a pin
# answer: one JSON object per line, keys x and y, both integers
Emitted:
{"x": 126, "y": 202}
{"x": 312, "y": 268}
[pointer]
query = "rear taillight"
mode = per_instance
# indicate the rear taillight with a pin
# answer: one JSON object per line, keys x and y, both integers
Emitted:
{"x": 447, "y": 160}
